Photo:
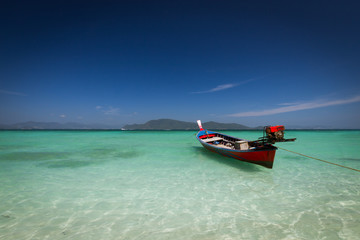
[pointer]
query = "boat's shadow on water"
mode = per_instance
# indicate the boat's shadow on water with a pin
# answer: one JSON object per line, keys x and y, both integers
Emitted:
{"x": 244, "y": 166}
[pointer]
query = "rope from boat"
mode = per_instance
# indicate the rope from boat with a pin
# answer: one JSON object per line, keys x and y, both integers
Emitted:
{"x": 320, "y": 160}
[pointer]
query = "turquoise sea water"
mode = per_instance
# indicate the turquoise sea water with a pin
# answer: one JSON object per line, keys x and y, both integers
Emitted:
{"x": 164, "y": 185}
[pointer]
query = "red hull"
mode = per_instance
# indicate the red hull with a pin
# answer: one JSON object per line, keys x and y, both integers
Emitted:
{"x": 261, "y": 156}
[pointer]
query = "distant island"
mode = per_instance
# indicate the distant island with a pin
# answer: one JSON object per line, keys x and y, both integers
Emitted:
{"x": 52, "y": 126}
{"x": 160, "y": 124}
{"x": 170, "y": 124}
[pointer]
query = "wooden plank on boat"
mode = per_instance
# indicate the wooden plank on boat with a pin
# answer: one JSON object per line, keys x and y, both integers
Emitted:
{"x": 213, "y": 139}
{"x": 223, "y": 146}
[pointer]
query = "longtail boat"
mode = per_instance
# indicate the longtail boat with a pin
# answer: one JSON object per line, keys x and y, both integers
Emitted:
{"x": 261, "y": 151}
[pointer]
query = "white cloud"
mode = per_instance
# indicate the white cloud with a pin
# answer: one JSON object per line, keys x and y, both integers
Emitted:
{"x": 111, "y": 111}
{"x": 108, "y": 110}
{"x": 225, "y": 86}
{"x": 296, "y": 107}
{"x": 11, "y": 93}
{"x": 290, "y": 103}
{"x": 222, "y": 87}
{"x": 62, "y": 116}
{"x": 219, "y": 88}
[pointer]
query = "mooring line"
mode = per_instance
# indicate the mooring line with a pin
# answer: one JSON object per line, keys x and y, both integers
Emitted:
{"x": 320, "y": 160}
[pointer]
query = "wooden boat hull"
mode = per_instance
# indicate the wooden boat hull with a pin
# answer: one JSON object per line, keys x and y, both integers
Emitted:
{"x": 263, "y": 156}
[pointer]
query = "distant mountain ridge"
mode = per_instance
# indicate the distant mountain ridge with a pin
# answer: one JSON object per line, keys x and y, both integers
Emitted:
{"x": 159, "y": 124}
{"x": 52, "y": 126}
{"x": 170, "y": 124}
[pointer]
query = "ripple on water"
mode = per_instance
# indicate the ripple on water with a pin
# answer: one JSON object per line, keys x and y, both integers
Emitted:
{"x": 32, "y": 156}
{"x": 74, "y": 159}
{"x": 112, "y": 153}
{"x": 105, "y": 185}
{"x": 70, "y": 163}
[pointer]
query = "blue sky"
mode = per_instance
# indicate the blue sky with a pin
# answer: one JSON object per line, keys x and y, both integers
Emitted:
{"x": 117, "y": 62}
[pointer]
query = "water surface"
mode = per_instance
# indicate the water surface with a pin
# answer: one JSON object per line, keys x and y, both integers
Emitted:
{"x": 164, "y": 185}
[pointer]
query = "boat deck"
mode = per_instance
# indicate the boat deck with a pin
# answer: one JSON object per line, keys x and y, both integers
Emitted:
{"x": 213, "y": 139}
{"x": 223, "y": 146}
{"x": 222, "y": 142}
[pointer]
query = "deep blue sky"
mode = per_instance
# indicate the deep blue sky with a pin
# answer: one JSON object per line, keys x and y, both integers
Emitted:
{"x": 115, "y": 62}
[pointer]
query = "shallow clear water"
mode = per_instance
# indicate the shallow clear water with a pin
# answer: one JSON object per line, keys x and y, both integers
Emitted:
{"x": 164, "y": 185}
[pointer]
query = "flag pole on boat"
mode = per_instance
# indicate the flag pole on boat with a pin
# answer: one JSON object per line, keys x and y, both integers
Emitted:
{"x": 199, "y": 124}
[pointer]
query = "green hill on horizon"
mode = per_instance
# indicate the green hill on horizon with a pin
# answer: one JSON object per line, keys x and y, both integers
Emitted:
{"x": 170, "y": 124}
